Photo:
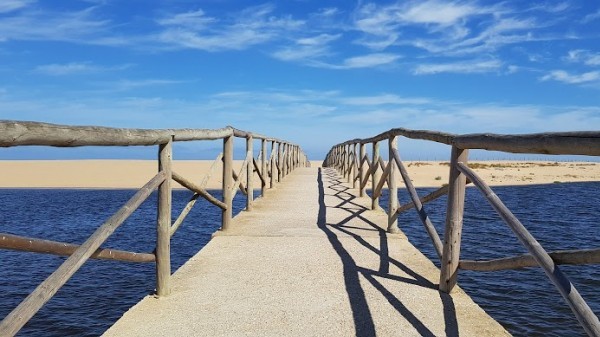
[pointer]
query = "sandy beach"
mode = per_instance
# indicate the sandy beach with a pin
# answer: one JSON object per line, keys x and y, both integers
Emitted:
{"x": 135, "y": 173}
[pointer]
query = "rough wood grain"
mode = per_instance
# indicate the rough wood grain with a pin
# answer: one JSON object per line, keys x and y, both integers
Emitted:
{"x": 14, "y": 321}
{"x": 20, "y": 243}
{"x": 433, "y": 235}
{"x": 586, "y": 317}
{"x": 188, "y": 207}
{"x": 163, "y": 221}
{"x": 227, "y": 188}
{"x": 573, "y": 257}
{"x": 198, "y": 190}
{"x": 454, "y": 220}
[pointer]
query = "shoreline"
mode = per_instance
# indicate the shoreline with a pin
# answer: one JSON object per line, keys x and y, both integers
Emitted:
{"x": 132, "y": 174}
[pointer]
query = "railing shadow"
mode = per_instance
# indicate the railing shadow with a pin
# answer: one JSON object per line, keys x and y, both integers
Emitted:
{"x": 363, "y": 319}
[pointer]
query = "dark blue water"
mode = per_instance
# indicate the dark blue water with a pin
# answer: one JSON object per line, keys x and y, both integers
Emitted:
{"x": 560, "y": 216}
{"x": 101, "y": 291}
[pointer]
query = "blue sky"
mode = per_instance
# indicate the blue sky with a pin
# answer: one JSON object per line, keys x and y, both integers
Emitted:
{"x": 313, "y": 72}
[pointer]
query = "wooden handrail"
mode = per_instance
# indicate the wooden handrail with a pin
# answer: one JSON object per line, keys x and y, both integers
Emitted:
{"x": 580, "y": 143}
{"x": 586, "y": 317}
{"x": 573, "y": 257}
{"x": 20, "y": 243}
{"x": 19, "y": 133}
{"x": 14, "y": 321}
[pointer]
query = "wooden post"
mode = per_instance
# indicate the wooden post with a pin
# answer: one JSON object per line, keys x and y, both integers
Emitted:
{"x": 163, "y": 228}
{"x": 263, "y": 167}
{"x": 249, "y": 172}
{"x": 348, "y": 163}
{"x": 354, "y": 170}
{"x": 227, "y": 214}
{"x": 280, "y": 162}
{"x": 272, "y": 164}
{"x": 454, "y": 220}
{"x": 361, "y": 171}
{"x": 375, "y": 176}
{"x": 393, "y": 188}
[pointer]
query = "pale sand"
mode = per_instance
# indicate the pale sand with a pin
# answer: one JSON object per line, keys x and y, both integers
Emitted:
{"x": 135, "y": 173}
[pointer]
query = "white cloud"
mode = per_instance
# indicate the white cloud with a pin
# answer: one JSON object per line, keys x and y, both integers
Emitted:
{"x": 435, "y": 12}
{"x": 458, "y": 67}
{"x": 383, "y": 99}
{"x": 78, "y": 26}
{"x": 195, "y": 20}
{"x": 306, "y": 49}
{"x": 12, "y": 5}
{"x": 369, "y": 61}
{"x": 584, "y": 56}
{"x": 75, "y": 68}
{"x": 252, "y": 26}
{"x": 563, "y": 76}
{"x": 591, "y": 17}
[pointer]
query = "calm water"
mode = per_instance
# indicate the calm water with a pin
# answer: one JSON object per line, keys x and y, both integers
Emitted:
{"x": 101, "y": 291}
{"x": 524, "y": 301}
{"x": 560, "y": 216}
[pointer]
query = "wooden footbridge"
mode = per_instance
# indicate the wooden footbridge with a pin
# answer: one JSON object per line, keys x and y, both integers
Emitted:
{"x": 314, "y": 255}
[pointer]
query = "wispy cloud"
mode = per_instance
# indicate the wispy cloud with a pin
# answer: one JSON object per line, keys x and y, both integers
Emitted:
{"x": 41, "y": 25}
{"x": 74, "y": 68}
{"x": 591, "y": 17}
{"x": 307, "y": 49}
{"x": 563, "y": 76}
{"x": 12, "y": 5}
{"x": 363, "y": 61}
{"x": 252, "y": 26}
{"x": 459, "y": 67}
{"x": 584, "y": 56}
{"x": 383, "y": 99}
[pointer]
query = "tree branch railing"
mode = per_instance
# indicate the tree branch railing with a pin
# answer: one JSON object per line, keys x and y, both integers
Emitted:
{"x": 379, "y": 174}
{"x": 17, "y": 133}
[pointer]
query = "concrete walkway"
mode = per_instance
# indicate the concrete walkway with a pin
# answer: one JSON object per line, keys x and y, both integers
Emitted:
{"x": 309, "y": 260}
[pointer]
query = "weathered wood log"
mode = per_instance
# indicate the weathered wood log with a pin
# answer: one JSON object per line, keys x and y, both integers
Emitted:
{"x": 375, "y": 176}
{"x": 188, "y": 207}
{"x": 428, "y": 198}
{"x": 272, "y": 166}
{"x": 238, "y": 181}
{"x": 572, "y": 257}
{"x": 263, "y": 171}
{"x": 20, "y": 243}
{"x": 227, "y": 184}
{"x": 454, "y": 220}
{"x": 163, "y": 221}
{"x": 238, "y": 177}
{"x": 433, "y": 235}
{"x": 382, "y": 180}
{"x": 393, "y": 188}
{"x": 369, "y": 173}
{"x": 586, "y": 317}
{"x": 16, "y": 133}
{"x": 14, "y": 321}
{"x": 258, "y": 173}
{"x": 361, "y": 170}
{"x": 198, "y": 190}
{"x": 439, "y": 137}
{"x": 249, "y": 173}
{"x": 582, "y": 143}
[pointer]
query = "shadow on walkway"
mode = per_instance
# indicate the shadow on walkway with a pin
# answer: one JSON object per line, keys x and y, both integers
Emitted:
{"x": 363, "y": 319}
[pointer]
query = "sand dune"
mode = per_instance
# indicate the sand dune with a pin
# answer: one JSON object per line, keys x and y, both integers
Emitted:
{"x": 135, "y": 173}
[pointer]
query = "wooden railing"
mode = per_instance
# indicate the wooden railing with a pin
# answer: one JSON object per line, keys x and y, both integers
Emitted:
{"x": 284, "y": 157}
{"x": 359, "y": 170}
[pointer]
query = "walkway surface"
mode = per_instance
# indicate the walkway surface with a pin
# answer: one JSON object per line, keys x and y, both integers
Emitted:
{"x": 309, "y": 260}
